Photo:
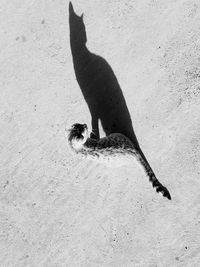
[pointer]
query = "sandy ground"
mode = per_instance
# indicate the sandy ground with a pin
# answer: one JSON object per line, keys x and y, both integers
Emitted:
{"x": 57, "y": 210}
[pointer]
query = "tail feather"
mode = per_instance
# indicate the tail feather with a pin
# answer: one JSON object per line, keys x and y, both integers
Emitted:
{"x": 152, "y": 178}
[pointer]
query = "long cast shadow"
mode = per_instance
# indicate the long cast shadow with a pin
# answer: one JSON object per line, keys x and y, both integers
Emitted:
{"x": 98, "y": 84}
{"x": 103, "y": 94}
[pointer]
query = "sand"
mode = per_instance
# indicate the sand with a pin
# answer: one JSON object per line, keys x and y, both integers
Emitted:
{"x": 58, "y": 210}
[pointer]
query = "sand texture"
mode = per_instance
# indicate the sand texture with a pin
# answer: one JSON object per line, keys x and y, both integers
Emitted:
{"x": 59, "y": 210}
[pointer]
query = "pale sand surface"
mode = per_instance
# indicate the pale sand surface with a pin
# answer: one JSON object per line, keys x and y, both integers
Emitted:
{"x": 57, "y": 210}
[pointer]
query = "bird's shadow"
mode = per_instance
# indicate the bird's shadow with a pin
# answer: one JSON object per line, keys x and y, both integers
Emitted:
{"x": 98, "y": 84}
